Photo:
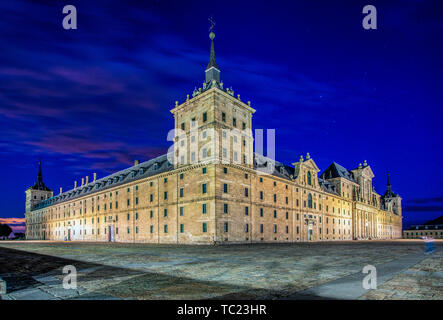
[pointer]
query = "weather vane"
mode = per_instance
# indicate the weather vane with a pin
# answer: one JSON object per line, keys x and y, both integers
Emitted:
{"x": 211, "y": 20}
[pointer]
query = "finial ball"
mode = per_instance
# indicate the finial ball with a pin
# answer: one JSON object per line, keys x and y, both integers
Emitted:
{"x": 212, "y": 35}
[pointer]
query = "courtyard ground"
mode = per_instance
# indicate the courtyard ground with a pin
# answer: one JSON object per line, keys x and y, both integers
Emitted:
{"x": 319, "y": 270}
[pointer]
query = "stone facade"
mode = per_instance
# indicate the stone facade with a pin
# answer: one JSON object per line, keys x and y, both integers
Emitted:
{"x": 212, "y": 188}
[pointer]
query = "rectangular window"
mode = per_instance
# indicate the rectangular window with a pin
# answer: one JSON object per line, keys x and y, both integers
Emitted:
{"x": 287, "y": 215}
{"x": 225, "y": 227}
{"x": 225, "y": 208}
{"x": 204, "y": 208}
{"x": 182, "y": 209}
{"x": 182, "y": 228}
{"x": 287, "y": 229}
{"x": 151, "y": 214}
{"x": 136, "y": 216}
{"x": 165, "y": 180}
{"x": 128, "y": 202}
{"x": 205, "y": 116}
{"x": 261, "y": 195}
{"x": 165, "y": 212}
{"x": 151, "y": 197}
{"x": 151, "y": 229}
{"x": 205, "y": 227}
{"x": 136, "y": 201}
{"x": 166, "y": 228}
{"x": 261, "y": 212}
{"x": 225, "y": 188}
{"x": 204, "y": 188}
{"x": 246, "y": 211}
{"x": 246, "y": 227}
{"x": 181, "y": 192}
{"x": 275, "y": 228}
{"x": 165, "y": 196}
{"x": 129, "y": 217}
{"x": 246, "y": 192}
{"x": 275, "y": 198}
{"x": 275, "y": 213}
{"x": 223, "y": 117}
{"x": 261, "y": 228}
{"x": 225, "y": 170}
{"x": 234, "y": 122}
{"x": 181, "y": 176}
{"x": 204, "y": 170}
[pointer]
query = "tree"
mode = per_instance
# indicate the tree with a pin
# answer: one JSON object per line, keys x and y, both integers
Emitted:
{"x": 5, "y": 230}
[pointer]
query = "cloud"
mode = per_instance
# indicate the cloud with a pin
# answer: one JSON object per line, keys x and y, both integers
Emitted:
{"x": 16, "y": 224}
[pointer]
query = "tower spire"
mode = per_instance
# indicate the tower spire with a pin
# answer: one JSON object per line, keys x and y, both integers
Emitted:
{"x": 388, "y": 185}
{"x": 39, "y": 184}
{"x": 212, "y": 71}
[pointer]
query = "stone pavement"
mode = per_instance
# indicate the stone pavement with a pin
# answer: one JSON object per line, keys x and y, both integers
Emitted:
{"x": 331, "y": 270}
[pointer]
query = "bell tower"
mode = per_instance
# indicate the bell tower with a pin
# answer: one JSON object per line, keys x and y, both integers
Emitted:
{"x": 38, "y": 192}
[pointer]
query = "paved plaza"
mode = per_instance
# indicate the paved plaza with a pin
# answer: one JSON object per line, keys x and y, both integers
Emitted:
{"x": 331, "y": 270}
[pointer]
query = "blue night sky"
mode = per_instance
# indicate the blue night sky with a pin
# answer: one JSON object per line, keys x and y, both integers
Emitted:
{"x": 96, "y": 98}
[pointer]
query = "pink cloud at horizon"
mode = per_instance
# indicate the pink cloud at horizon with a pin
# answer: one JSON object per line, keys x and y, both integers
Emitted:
{"x": 16, "y": 224}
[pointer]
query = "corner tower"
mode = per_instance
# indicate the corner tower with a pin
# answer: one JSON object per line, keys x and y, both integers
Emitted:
{"x": 391, "y": 200}
{"x": 38, "y": 192}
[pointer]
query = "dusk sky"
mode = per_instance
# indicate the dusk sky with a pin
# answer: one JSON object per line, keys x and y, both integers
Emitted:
{"x": 96, "y": 98}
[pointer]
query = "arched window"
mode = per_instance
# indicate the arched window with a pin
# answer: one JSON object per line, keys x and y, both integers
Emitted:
{"x": 309, "y": 200}
{"x": 309, "y": 177}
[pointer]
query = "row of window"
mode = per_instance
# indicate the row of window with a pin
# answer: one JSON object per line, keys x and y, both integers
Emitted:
{"x": 205, "y": 118}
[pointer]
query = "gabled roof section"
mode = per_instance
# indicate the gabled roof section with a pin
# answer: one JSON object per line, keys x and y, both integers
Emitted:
{"x": 273, "y": 167}
{"x": 337, "y": 171}
{"x": 327, "y": 186}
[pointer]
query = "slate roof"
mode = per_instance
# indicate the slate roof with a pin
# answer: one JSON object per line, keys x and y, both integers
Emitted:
{"x": 337, "y": 171}
{"x": 140, "y": 171}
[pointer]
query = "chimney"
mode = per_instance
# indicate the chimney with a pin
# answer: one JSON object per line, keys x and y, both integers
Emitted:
{"x": 75, "y": 184}
{"x": 61, "y": 190}
{"x": 136, "y": 162}
{"x": 87, "y": 179}
{"x": 83, "y": 181}
{"x": 95, "y": 176}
